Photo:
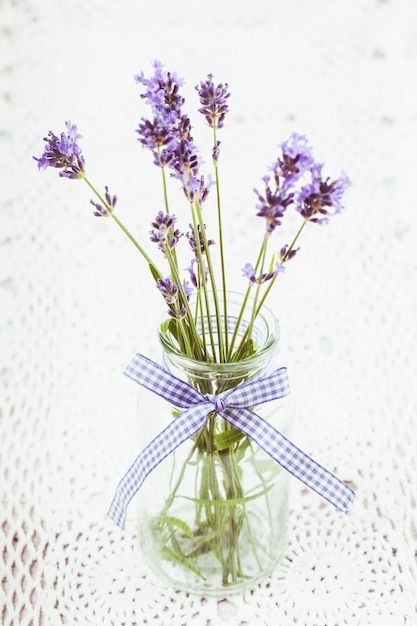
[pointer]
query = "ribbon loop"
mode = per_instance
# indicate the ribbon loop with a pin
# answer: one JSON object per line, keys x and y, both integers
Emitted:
{"x": 234, "y": 406}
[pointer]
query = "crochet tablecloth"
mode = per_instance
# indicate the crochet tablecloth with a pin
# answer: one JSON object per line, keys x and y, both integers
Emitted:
{"x": 76, "y": 302}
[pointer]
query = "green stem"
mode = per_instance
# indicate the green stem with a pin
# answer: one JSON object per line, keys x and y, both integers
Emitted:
{"x": 202, "y": 278}
{"x": 222, "y": 257}
{"x": 220, "y": 334}
{"x": 123, "y": 227}
{"x": 261, "y": 254}
{"x": 233, "y": 491}
{"x": 283, "y": 260}
{"x": 164, "y": 185}
{"x": 294, "y": 241}
{"x": 258, "y": 289}
{"x": 166, "y": 202}
{"x": 272, "y": 281}
{"x": 214, "y": 485}
{"x": 193, "y": 349}
{"x": 173, "y": 493}
{"x": 200, "y": 312}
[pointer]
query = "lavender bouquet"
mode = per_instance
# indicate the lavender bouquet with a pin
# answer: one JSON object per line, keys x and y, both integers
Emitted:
{"x": 198, "y": 298}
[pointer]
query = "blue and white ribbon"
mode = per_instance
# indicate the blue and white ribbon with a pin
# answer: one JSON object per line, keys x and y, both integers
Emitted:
{"x": 234, "y": 407}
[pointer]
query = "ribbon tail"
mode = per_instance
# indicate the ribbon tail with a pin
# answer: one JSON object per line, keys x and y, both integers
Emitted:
{"x": 291, "y": 458}
{"x": 178, "y": 431}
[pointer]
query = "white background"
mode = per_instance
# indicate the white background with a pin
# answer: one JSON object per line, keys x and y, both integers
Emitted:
{"x": 76, "y": 300}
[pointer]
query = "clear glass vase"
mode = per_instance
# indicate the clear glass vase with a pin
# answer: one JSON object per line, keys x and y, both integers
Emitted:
{"x": 213, "y": 515}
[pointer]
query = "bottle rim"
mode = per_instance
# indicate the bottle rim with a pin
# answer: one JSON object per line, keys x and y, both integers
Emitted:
{"x": 266, "y": 331}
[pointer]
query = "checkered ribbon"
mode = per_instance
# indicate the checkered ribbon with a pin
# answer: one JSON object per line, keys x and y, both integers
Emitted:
{"x": 233, "y": 406}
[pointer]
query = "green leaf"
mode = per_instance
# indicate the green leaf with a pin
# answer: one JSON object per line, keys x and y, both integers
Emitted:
{"x": 171, "y": 325}
{"x": 227, "y": 439}
{"x": 240, "y": 452}
{"x": 265, "y": 466}
{"x": 246, "y": 349}
{"x": 165, "y": 325}
{"x": 155, "y": 272}
{"x": 175, "y": 521}
{"x": 229, "y": 501}
{"x": 170, "y": 555}
{"x": 208, "y": 542}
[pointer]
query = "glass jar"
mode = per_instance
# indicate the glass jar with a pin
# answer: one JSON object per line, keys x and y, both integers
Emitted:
{"x": 213, "y": 515}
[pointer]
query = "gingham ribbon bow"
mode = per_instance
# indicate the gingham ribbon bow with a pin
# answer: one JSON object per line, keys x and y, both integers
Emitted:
{"x": 233, "y": 406}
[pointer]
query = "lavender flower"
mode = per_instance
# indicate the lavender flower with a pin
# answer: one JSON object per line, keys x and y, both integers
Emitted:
{"x": 168, "y": 136}
{"x": 185, "y": 160}
{"x": 321, "y": 197}
{"x": 193, "y": 276}
{"x": 63, "y": 152}
{"x": 162, "y": 91}
{"x": 170, "y": 291}
{"x": 188, "y": 290}
{"x": 163, "y": 232}
{"x": 105, "y": 211}
{"x": 198, "y": 188}
{"x": 159, "y": 137}
{"x": 286, "y": 254}
{"x": 296, "y": 159}
{"x": 183, "y": 128}
{"x": 214, "y": 100}
{"x": 190, "y": 270}
{"x": 249, "y": 272}
{"x": 272, "y": 205}
{"x": 169, "y": 127}
{"x": 191, "y": 236}
{"x": 216, "y": 152}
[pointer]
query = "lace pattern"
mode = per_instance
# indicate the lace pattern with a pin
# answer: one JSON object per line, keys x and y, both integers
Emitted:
{"x": 75, "y": 304}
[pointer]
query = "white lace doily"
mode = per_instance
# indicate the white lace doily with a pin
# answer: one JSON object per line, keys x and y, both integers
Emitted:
{"x": 76, "y": 303}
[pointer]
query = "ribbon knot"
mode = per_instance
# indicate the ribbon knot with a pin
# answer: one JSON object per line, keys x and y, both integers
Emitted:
{"x": 218, "y": 402}
{"x": 234, "y": 406}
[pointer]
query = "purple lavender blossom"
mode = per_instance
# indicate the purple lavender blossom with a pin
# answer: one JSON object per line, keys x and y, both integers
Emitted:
{"x": 296, "y": 159}
{"x": 193, "y": 276}
{"x": 168, "y": 136}
{"x": 158, "y": 136}
{"x": 105, "y": 211}
{"x": 163, "y": 232}
{"x": 321, "y": 199}
{"x": 248, "y": 271}
{"x": 216, "y": 152}
{"x": 190, "y": 270}
{"x": 272, "y": 205}
{"x": 169, "y": 289}
{"x": 178, "y": 315}
{"x": 198, "y": 188}
{"x": 286, "y": 254}
{"x": 162, "y": 91}
{"x": 185, "y": 161}
{"x": 191, "y": 236}
{"x": 63, "y": 152}
{"x": 188, "y": 290}
{"x": 214, "y": 100}
{"x": 183, "y": 128}
{"x": 169, "y": 126}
